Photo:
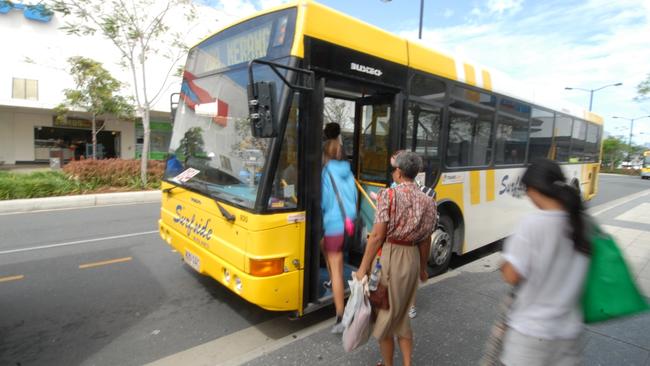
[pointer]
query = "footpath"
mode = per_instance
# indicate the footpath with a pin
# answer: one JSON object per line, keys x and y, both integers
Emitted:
{"x": 456, "y": 311}
{"x": 78, "y": 201}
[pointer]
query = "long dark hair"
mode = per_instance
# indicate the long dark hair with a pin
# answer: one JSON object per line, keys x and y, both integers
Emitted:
{"x": 546, "y": 176}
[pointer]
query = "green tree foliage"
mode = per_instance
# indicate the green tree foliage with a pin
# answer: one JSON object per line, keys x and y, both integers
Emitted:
{"x": 96, "y": 93}
{"x": 138, "y": 29}
{"x": 643, "y": 89}
{"x": 191, "y": 144}
{"x": 614, "y": 151}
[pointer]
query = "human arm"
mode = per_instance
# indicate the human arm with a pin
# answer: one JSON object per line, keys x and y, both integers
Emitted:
{"x": 517, "y": 255}
{"x": 424, "y": 247}
{"x": 509, "y": 273}
{"x": 375, "y": 240}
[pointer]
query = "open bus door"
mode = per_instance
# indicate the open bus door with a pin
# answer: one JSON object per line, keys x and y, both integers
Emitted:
{"x": 369, "y": 153}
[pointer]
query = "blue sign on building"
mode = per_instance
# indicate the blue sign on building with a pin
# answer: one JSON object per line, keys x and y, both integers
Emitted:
{"x": 38, "y": 12}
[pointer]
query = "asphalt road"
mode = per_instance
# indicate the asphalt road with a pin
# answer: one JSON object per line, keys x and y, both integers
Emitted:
{"x": 119, "y": 301}
{"x": 97, "y": 286}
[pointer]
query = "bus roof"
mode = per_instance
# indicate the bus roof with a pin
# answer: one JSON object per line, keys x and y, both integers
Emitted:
{"x": 321, "y": 22}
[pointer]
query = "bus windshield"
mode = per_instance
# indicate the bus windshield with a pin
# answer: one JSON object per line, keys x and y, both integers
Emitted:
{"x": 212, "y": 133}
{"x": 646, "y": 161}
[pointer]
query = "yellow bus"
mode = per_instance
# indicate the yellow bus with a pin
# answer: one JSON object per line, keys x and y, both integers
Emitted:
{"x": 645, "y": 167}
{"x": 241, "y": 194}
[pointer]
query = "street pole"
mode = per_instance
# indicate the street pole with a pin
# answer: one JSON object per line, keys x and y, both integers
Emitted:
{"x": 629, "y": 143}
{"x": 591, "y": 92}
{"x": 421, "y": 15}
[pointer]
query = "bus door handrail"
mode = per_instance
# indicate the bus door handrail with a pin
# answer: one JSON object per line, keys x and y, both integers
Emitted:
{"x": 363, "y": 192}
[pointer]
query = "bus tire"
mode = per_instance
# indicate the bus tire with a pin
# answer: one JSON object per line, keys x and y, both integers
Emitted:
{"x": 442, "y": 246}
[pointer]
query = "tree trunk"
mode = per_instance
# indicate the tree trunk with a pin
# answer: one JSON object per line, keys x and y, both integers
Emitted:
{"x": 94, "y": 132}
{"x": 145, "y": 145}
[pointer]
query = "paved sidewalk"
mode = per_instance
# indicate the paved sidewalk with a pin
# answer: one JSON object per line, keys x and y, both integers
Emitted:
{"x": 456, "y": 312}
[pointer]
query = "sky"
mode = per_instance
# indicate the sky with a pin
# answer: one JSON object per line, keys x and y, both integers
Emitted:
{"x": 549, "y": 45}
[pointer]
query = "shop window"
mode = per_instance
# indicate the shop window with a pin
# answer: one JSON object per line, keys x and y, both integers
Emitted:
{"x": 25, "y": 89}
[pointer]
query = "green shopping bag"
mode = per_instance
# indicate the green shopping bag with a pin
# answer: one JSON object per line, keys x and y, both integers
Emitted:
{"x": 610, "y": 290}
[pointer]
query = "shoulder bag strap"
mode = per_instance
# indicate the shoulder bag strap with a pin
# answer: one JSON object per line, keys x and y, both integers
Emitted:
{"x": 338, "y": 198}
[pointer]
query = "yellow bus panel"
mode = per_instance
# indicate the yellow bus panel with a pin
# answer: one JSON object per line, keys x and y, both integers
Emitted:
{"x": 259, "y": 257}
{"x": 335, "y": 27}
{"x": 427, "y": 60}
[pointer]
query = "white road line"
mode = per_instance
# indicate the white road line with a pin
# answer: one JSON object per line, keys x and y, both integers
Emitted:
{"x": 597, "y": 210}
{"x": 75, "y": 208}
{"x": 78, "y": 242}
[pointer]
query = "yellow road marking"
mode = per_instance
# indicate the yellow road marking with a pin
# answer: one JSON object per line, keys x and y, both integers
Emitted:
{"x": 102, "y": 263}
{"x": 11, "y": 278}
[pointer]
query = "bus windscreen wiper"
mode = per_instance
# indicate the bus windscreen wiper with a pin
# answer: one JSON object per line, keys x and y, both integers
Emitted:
{"x": 227, "y": 215}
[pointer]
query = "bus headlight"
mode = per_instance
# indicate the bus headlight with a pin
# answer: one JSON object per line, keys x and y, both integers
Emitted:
{"x": 266, "y": 267}
{"x": 226, "y": 275}
{"x": 238, "y": 284}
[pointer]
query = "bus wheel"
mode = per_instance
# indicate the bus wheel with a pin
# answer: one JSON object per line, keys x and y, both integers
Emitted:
{"x": 441, "y": 246}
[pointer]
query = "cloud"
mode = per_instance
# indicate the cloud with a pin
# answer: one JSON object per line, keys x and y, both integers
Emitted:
{"x": 265, "y": 4}
{"x": 448, "y": 13}
{"x": 504, "y": 6}
{"x": 550, "y": 46}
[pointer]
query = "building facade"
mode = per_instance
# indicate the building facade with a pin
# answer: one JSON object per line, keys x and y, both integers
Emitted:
{"x": 33, "y": 78}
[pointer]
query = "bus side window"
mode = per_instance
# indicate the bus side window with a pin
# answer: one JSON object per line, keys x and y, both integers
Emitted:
{"x": 424, "y": 121}
{"x": 471, "y": 119}
{"x": 541, "y": 135}
{"x": 592, "y": 146}
{"x": 512, "y": 132}
{"x": 562, "y": 137}
{"x": 578, "y": 138}
{"x": 423, "y": 131}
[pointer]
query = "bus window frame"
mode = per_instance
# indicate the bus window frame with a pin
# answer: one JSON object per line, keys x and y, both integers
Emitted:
{"x": 447, "y": 124}
{"x": 513, "y": 116}
{"x": 545, "y": 110}
{"x": 431, "y": 179}
{"x": 560, "y": 114}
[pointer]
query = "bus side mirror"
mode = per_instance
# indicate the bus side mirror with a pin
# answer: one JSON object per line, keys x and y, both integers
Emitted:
{"x": 261, "y": 109}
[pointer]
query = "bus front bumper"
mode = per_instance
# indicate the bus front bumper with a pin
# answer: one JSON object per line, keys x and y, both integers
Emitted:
{"x": 278, "y": 293}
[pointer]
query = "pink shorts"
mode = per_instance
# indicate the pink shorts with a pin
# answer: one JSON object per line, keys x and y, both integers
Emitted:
{"x": 333, "y": 243}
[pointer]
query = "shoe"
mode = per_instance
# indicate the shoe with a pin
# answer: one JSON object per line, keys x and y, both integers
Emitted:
{"x": 412, "y": 312}
{"x": 338, "y": 328}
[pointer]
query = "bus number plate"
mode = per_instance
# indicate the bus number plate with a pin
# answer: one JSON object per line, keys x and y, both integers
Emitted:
{"x": 193, "y": 260}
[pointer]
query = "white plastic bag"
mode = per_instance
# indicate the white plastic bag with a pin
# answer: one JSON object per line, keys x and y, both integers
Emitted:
{"x": 358, "y": 332}
{"x": 354, "y": 301}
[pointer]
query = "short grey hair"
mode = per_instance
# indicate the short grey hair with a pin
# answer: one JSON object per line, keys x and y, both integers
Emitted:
{"x": 409, "y": 163}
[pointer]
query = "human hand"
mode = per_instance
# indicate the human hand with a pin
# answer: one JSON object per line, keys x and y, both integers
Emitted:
{"x": 424, "y": 275}
{"x": 373, "y": 195}
{"x": 359, "y": 276}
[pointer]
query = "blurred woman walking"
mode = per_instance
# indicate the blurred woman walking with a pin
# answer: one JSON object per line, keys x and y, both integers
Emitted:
{"x": 546, "y": 259}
